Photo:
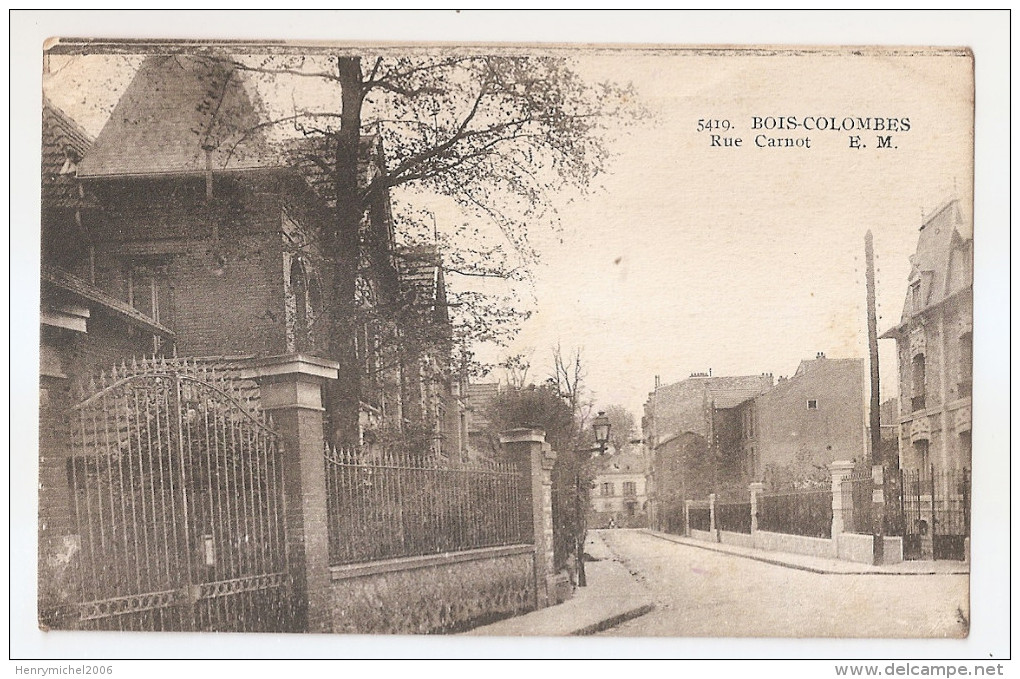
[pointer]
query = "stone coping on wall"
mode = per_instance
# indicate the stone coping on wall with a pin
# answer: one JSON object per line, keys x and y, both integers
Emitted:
{"x": 293, "y": 364}
{"x": 358, "y": 570}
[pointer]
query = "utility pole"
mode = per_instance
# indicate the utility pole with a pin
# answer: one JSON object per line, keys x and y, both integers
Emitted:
{"x": 877, "y": 471}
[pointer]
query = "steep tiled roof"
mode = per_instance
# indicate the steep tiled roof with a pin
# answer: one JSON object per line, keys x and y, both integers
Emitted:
{"x": 834, "y": 369}
{"x": 64, "y": 143}
{"x": 808, "y": 365}
{"x": 942, "y": 264}
{"x": 175, "y": 108}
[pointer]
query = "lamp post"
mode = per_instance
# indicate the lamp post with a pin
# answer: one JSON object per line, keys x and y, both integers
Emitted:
{"x": 600, "y": 425}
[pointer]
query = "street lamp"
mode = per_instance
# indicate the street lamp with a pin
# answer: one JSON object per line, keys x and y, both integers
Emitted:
{"x": 600, "y": 425}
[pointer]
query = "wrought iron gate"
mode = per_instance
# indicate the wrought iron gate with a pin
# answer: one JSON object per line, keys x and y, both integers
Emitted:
{"x": 177, "y": 490}
{"x": 934, "y": 513}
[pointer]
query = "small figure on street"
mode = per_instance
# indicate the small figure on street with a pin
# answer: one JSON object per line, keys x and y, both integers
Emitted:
{"x": 612, "y": 522}
{"x": 572, "y": 571}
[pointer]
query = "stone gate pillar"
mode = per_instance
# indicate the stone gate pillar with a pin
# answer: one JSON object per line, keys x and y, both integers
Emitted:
{"x": 712, "y": 524}
{"x": 687, "y": 517}
{"x": 839, "y": 470}
{"x": 291, "y": 393}
{"x": 755, "y": 489}
{"x": 534, "y": 458}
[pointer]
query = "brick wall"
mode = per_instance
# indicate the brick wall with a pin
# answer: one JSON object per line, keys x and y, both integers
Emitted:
{"x": 796, "y": 442}
{"x": 220, "y": 295}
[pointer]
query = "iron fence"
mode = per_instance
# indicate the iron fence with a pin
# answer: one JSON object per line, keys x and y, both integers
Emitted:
{"x": 932, "y": 513}
{"x": 806, "y": 512}
{"x": 699, "y": 517}
{"x": 670, "y": 517}
{"x": 733, "y": 516}
{"x": 857, "y": 503}
{"x": 391, "y": 504}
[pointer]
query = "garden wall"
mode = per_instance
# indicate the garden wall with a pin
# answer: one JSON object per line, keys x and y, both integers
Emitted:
{"x": 433, "y": 594}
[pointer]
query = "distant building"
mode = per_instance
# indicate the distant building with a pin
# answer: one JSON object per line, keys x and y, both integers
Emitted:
{"x": 691, "y": 439}
{"x": 790, "y": 433}
{"x": 935, "y": 344}
{"x": 619, "y": 497}
{"x": 718, "y": 434}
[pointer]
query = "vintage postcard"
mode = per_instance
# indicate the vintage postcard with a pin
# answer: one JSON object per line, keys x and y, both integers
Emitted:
{"x": 507, "y": 340}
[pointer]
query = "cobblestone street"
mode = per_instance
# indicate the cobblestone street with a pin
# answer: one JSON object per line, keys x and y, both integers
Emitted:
{"x": 703, "y": 593}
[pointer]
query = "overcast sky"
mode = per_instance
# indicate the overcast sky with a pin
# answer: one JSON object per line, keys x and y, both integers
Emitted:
{"x": 743, "y": 260}
{"x": 747, "y": 260}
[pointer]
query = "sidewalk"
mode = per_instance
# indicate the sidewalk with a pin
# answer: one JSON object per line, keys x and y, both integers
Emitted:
{"x": 611, "y": 597}
{"x": 816, "y": 564}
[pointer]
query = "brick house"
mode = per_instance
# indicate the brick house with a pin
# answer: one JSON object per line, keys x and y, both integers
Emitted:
{"x": 202, "y": 222}
{"x": 83, "y": 329}
{"x": 792, "y": 432}
{"x": 182, "y": 231}
{"x": 935, "y": 345}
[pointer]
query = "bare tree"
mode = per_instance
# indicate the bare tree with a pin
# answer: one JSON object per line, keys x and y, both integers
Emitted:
{"x": 499, "y": 134}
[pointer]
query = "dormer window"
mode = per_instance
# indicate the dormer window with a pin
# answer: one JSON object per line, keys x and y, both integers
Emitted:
{"x": 915, "y": 295}
{"x": 71, "y": 160}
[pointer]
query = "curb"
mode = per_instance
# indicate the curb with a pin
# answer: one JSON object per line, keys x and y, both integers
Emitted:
{"x": 795, "y": 566}
{"x": 613, "y": 621}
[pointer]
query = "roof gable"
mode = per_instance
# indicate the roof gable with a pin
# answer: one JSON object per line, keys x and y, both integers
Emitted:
{"x": 175, "y": 109}
{"x": 944, "y": 234}
{"x": 64, "y": 143}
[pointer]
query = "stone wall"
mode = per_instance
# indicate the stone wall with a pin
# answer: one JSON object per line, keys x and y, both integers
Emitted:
{"x": 433, "y": 594}
{"x": 860, "y": 548}
{"x": 794, "y": 544}
{"x": 739, "y": 539}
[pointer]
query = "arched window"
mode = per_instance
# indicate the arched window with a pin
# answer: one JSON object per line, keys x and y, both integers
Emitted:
{"x": 299, "y": 286}
{"x": 917, "y": 375}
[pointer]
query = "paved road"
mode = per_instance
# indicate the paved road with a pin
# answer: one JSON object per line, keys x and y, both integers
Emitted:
{"x": 704, "y": 593}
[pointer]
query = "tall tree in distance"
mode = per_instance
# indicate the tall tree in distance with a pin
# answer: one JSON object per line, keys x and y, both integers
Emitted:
{"x": 499, "y": 134}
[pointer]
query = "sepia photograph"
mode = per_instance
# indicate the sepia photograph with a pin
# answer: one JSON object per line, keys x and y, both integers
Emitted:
{"x": 507, "y": 340}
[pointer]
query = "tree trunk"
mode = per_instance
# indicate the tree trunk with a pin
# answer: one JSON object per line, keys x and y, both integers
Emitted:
{"x": 343, "y": 398}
